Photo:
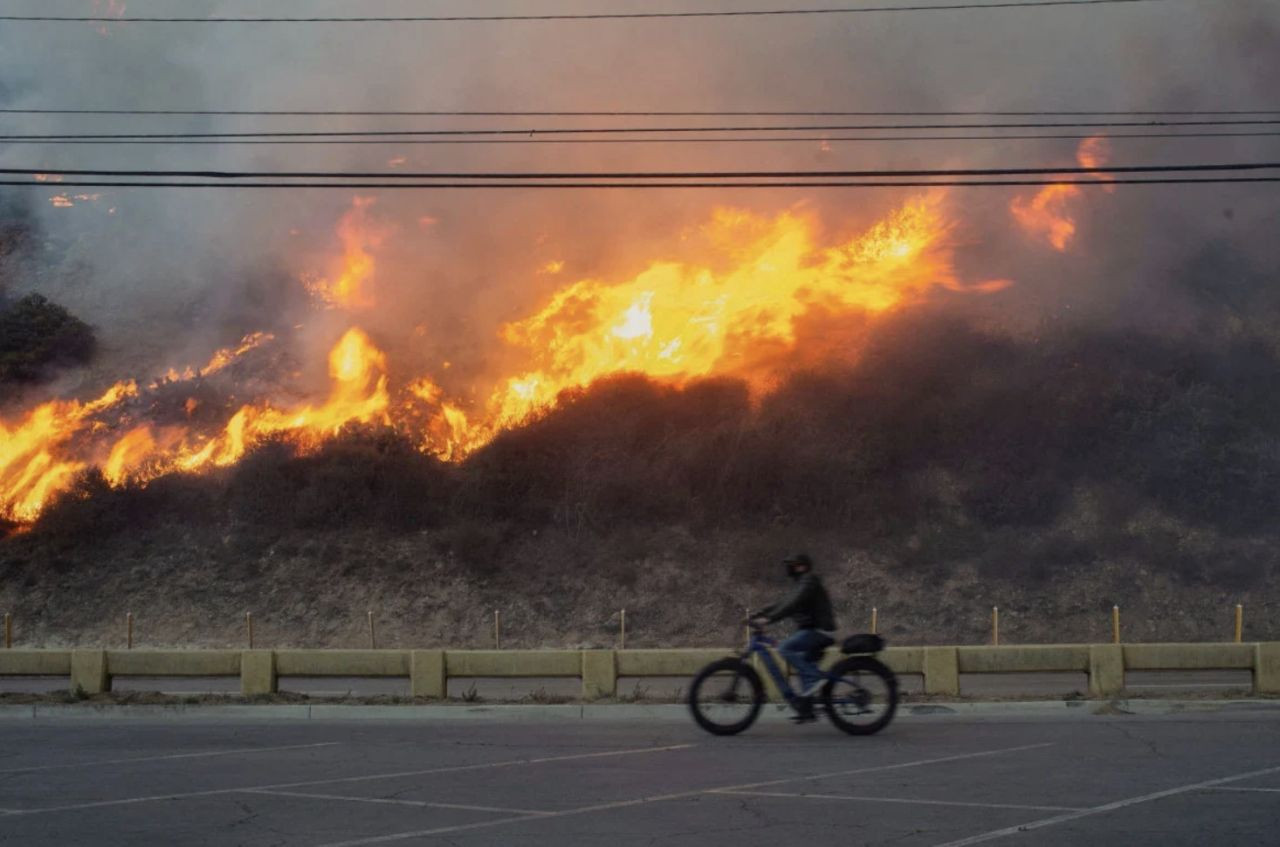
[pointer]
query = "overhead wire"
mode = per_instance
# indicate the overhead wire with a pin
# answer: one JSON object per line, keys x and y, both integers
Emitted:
{"x": 647, "y": 140}
{"x": 654, "y": 184}
{"x": 579, "y": 16}
{"x": 616, "y": 113}
{"x": 1199, "y": 167}
{"x": 535, "y": 131}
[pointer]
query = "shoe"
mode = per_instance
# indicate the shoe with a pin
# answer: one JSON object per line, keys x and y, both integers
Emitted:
{"x": 804, "y": 710}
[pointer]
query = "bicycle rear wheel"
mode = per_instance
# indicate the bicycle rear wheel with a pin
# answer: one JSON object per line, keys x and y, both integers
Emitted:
{"x": 725, "y": 697}
{"x": 862, "y": 697}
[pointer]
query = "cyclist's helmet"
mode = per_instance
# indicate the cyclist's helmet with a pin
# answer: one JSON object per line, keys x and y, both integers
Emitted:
{"x": 795, "y": 563}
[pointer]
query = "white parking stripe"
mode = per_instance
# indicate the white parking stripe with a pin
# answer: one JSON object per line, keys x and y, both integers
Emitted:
{"x": 997, "y": 752}
{"x": 622, "y": 804}
{"x": 487, "y": 766}
{"x": 1098, "y": 810}
{"x": 103, "y": 762}
{"x": 216, "y": 791}
{"x": 395, "y": 802}
{"x": 1239, "y": 788}
{"x": 862, "y": 799}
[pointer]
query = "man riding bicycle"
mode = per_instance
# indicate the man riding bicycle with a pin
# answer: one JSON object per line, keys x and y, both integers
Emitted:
{"x": 810, "y": 607}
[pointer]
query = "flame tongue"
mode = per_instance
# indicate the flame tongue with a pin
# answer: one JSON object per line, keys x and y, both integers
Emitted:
{"x": 679, "y": 321}
{"x": 30, "y": 467}
{"x": 1048, "y": 213}
{"x": 359, "y": 394}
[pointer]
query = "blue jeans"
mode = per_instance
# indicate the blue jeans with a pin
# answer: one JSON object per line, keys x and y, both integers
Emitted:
{"x": 795, "y": 650}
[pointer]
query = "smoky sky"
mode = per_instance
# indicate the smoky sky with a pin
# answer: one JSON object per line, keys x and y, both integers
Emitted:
{"x": 171, "y": 273}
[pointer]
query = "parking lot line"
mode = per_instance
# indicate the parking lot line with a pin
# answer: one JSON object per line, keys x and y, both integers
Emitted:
{"x": 98, "y": 804}
{"x": 908, "y": 800}
{"x": 661, "y": 798}
{"x": 1107, "y": 807}
{"x": 485, "y": 766}
{"x": 1243, "y": 788}
{"x": 239, "y": 752}
{"x": 936, "y": 761}
{"x": 396, "y": 802}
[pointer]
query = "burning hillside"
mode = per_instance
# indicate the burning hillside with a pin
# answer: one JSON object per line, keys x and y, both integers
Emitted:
{"x": 734, "y": 314}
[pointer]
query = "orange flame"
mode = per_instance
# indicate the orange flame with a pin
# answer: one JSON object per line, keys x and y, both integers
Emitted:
{"x": 1047, "y": 215}
{"x": 678, "y": 321}
{"x": 361, "y": 236}
{"x": 358, "y": 394}
{"x": 32, "y": 467}
{"x": 674, "y": 321}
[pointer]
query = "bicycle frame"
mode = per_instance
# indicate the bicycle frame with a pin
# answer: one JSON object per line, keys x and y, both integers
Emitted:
{"x": 764, "y": 646}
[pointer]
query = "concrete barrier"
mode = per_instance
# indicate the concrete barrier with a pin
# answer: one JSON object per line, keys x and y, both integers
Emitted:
{"x": 1106, "y": 670}
{"x": 173, "y": 662}
{"x": 513, "y": 663}
{"x": 1266, "y": 668}
{"x": 35, "y": 662}
{"x": 902, "y": 659}
{"x": 1041, "y": 658}
{"x": 342, "y": 662}
{"x": 91, "y": 671}
{"x": 1188, "y": 657}
{"x": 941, "y": 671}
{"x": 257, "y": 672}
{"x": 666, "y": 662}
{"x": 427, "y": 674}
{"x": 599, "y": 674}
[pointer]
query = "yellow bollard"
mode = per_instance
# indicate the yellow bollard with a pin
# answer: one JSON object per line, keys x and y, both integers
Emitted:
{"x": 497, "y": 630}
{"x": 1239, "y": 622}
{"x": 875, "y": 620}
{"x": 1115, "y": 624}
{"x": 248, "y": 623}
{"x": 8, "y": 630}
{"x": 622, "y": 631}
{"x": 746, "y": 630}
{"x": 128, "y": 625}
{"x": 995, "y": 626}
{"x": 373, "y": 640}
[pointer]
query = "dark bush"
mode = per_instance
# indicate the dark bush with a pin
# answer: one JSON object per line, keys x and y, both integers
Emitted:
{"x": 37, "y": 336}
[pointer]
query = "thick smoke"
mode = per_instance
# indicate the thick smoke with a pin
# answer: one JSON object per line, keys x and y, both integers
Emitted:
{"x": 167, "y": 275}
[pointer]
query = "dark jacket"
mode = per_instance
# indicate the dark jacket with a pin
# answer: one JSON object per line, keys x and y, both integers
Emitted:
{"x": 808, "y": 605}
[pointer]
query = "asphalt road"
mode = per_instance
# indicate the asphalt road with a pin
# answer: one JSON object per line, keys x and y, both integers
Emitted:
{"x": 663, "y": 689}
{"x": 1008, "y": 778}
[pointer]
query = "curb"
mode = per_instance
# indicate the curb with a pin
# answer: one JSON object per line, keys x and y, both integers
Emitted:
{"x": 1048, "y": 709}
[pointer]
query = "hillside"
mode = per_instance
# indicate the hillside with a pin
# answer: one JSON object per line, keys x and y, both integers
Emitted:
{"x": 945, "y": 470}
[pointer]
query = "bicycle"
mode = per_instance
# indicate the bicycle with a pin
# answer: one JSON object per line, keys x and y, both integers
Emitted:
{"x": 859, "y": 693}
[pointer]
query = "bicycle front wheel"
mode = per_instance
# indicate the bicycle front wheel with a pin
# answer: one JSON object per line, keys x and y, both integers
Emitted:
{"x": 725, "y": 697}
{"x": 862, "y": 696}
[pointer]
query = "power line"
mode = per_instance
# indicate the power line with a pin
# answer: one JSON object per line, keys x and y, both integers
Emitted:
{"x": 535, "y": 131}
{"x": 585, "y": 16}
{"x": 657, "y": 175}
{"x": 649, "y": 140}
{"x": 630, "y": 185}
{"x": 620, "y": 113}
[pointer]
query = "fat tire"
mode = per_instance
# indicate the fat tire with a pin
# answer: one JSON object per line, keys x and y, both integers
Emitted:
{"x": 861, "y": 663}
{"x": 752, "y": 678}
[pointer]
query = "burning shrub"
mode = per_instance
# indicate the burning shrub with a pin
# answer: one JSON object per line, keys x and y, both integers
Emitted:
{"x": 37, "y": 335}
